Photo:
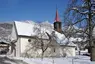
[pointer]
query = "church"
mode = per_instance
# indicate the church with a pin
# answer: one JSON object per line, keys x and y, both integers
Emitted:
{"x": 23, "y": 34}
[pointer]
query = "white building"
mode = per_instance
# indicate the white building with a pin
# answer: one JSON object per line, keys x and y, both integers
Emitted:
{"x": 22, "y": 32}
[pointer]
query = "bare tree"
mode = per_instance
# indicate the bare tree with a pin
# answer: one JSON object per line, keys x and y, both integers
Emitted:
{"x": 41, "y": 41}
{"x": 82, "y": 14}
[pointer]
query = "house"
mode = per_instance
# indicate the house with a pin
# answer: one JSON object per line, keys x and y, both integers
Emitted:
{"x": 5, "y": 34}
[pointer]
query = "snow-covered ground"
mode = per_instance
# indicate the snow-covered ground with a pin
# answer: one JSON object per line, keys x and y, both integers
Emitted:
{"x": 66, "y": 60}
{"x": 10, "y": 60}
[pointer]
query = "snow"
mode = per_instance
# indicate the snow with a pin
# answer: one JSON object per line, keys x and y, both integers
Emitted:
{"x": 5, "y": 31}
{"x": 30, "y": 28}
{"x": 10, "y": 60}
{"x": 62, "y": 40}
{"x": 60, "y": 37}
{"x": 93, "y": 32}
{"x": 24, "y": 28}
{"x": 65, "y": 60}
{"x": 7, "y": 42}
{"x": 75, "y": 39}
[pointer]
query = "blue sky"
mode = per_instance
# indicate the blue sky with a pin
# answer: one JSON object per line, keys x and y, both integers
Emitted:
{"x": 35, "y": 10}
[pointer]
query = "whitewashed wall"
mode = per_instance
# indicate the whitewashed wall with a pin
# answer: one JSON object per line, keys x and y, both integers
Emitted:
{"x": 18, "y": 48}
{"x": 70, "y": 51}
{"x": 61, "y": 51}
{"x": 23, "y": 44}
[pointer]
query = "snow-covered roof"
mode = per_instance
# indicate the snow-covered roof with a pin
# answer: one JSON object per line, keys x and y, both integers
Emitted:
{"x": 62, "y": 40}
{"x": 77, "y": 39}
{"x": 24, "y": 28}
{"x": 30, "y": 28}
{"x": 5, "y": 41}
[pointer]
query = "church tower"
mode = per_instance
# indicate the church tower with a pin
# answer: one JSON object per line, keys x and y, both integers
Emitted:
{"x": 57, "y": 23}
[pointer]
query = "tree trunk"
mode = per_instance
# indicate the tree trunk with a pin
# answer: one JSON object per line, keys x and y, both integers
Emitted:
{"x": 93, "y": 54}
{"x": 42, "y": 54}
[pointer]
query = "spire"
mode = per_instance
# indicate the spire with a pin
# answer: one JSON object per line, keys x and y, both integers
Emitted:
{"x": 57, "y": 17}
{"x": 57, "y": 23}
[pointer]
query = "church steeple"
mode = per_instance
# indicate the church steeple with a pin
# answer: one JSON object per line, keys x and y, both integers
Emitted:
{"x": 57, "y": 17}
{"x": 57, "y": 23}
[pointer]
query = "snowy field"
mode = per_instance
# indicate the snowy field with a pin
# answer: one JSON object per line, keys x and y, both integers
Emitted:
{"x": 66, "y": 60}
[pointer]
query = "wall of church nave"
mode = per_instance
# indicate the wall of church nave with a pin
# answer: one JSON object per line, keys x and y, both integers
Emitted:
{"x": 70, "y": 51}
